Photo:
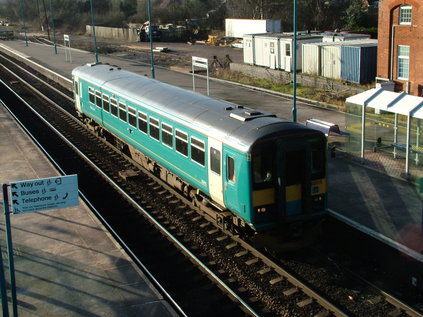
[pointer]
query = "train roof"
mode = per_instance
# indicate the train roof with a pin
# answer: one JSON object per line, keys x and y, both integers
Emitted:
{"x": 235, "y": 125}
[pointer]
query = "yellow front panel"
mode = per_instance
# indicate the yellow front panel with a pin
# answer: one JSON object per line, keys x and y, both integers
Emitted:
{"x": 293, "y": 192}
{"x": 319, "y": 186}
{"x": 263, "y": 197}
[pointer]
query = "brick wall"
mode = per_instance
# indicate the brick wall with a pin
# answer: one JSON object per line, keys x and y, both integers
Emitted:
{"x": 391, "y": 34}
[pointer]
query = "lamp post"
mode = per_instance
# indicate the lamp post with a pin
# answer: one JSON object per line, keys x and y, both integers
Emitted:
{"x": 52, "y": 23}
{"x": 93, "y": 29}
{"x": 150, "y": 34}
{"x": 23, "y": 22}
{"x": 294, "y": 49}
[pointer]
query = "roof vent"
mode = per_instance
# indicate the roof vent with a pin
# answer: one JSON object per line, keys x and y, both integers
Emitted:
{"x": 253, "y": 113}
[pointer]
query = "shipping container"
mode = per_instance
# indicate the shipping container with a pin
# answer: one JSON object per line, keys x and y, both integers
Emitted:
{"x": 311, "y": 58}
{"x": 324, "y": 59}
{"x": 359, "y": 63}
{"x": 331, "y": 57}
{"x": 274, "y": 50}
{"x": 238, "y": 27}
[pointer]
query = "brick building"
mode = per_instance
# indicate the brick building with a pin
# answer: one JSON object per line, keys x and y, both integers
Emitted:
{"x": 400, "y": 48}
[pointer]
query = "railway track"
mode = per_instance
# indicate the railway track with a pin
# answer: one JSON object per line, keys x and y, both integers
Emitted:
{"x": 254, "y": 277}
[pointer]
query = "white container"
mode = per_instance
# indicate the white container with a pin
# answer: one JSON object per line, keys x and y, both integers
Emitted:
{"x": 248, "y": 48}
{"x": 238, "y": 27}
{"x": 266, "y": 51}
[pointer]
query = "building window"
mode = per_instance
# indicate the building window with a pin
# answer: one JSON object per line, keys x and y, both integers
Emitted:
{"x": 405, "y": 15}
{"x": 403, "y": 61}
{"x": 287, "y": 49}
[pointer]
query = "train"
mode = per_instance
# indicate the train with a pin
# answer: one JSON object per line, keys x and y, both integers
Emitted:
{"x": 245, "y": 169}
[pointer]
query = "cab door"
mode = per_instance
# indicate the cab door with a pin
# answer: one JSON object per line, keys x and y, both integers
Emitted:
{"x": 293, "y": 184}
{"x": 215, "y": 171}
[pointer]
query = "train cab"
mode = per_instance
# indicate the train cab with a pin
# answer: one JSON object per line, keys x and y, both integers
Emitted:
{"x": 288, "y": 179}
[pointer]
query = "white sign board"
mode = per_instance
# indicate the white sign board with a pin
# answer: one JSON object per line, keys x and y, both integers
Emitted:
{"x": 203, "y": 63}
{"x": 43, "y": 194}
{"x": 200, "y": 62}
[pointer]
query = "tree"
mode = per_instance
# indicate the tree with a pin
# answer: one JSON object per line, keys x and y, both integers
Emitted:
{"x": 128, "y": 7}
{"x": 355, "y": 15}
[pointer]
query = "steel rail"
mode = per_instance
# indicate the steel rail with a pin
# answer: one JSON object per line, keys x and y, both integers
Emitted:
{"x": 39, "y": 79}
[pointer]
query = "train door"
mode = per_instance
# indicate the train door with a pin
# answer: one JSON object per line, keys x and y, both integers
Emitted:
{"x": 294, "y": 179}
{"x": 215, "y": 171}
{"x": 77, "y": 91}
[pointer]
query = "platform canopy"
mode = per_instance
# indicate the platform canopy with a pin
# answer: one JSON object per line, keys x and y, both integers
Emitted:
{"x": 393, "y": 102}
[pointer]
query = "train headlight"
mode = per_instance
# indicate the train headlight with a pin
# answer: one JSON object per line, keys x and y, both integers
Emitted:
{"x": 261, "y": 210}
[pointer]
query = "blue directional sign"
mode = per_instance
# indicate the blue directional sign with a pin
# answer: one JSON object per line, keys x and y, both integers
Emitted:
{"x": 43, "y": 194}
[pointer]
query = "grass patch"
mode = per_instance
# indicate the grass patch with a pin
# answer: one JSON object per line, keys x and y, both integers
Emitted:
{"x": 335, "y": 98}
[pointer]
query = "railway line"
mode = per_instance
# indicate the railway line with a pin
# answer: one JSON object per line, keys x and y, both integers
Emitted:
{"x": 256, "y": 283}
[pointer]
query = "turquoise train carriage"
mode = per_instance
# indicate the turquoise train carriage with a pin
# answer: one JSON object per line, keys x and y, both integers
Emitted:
{"x": 244, "y": 168}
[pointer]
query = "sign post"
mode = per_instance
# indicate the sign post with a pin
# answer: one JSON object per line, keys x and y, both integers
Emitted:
{"x": 32, "y": 196}
{"x": 66, "y": 41}
{"x": 202, "y": 63}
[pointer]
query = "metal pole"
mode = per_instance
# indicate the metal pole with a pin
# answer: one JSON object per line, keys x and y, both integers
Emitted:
{"x": 407, "y": 148}
{"x": 395, "y": 135}
{"x": 363, "y": 131}
{"x": 23, "y": 22}
{"x": 4, "y": 303}
{"x": 52, "y": 23}
{"x": 193, "y": 77}
{"x": 150, "y": 34}
{"x": 294, "y": 50}
{"x": 93, "y": 27}
{"x": 10, "y": 250}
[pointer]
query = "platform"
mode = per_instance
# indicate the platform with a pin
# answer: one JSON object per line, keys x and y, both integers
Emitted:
{"x": 66, "y": 263}
{"x": 386, "y": 207}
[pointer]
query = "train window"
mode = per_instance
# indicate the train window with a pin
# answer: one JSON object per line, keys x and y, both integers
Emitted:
{"x": 91, "y": 95}
{"x": 167, "y": 135}
{"x": 317, "y": 163}
{"x": 122, "y": 111}
{"x": 113, "y": 107}
{"x": 181, "y": 142}
{"x": 75, "y": 84}
{"x": 231, "y": 169}
{"x": 154, "y": 129}
{"x": 132, "y": 117}
{"x": 142, "y": 122}
{"x": 197, "y": 151}
{"x": 98, "y": 99}
{"x": 106, "y": 103}
{"x": 295, "y": 167}
{"x": 215, "y": 160}
{"x": 262, "y": 167}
